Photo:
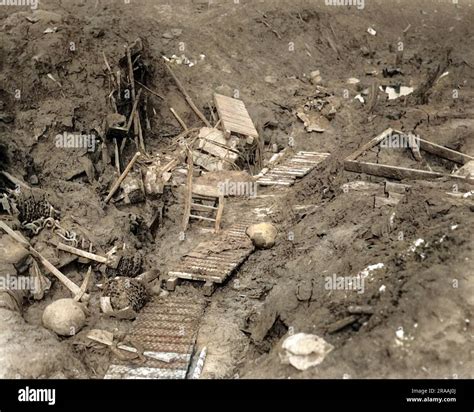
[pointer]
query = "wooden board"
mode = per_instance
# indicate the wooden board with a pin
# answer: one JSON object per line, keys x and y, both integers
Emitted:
{"x": 213, "y": 142}
{"x": 234, "y": 116}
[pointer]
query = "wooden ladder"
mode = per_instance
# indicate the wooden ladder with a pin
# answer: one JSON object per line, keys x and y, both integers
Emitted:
{"x": 202, "y": 198}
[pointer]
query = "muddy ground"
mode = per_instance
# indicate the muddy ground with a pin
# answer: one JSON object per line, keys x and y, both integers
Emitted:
{"x": 424, "y": 291}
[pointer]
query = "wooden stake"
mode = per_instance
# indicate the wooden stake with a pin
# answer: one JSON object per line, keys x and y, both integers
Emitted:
{"x": 134, "y": 109}
{"x": 13, "y": 179}
{"x": 85, "y": 285}
{"x": 180, "y": 121}
{"x": 122, "y": 177}
{"x": 187, "y": 97}
{"x": 189, "y": 191}
{"x": 149, "y": 90}
{"x": 82, "y": 253}
{"x": 130, "y": 73}
{"x": 117, "y": 156}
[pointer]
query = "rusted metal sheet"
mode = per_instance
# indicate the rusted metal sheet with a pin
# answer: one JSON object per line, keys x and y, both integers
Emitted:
{"x": 298, "y": 166}
{"x": 164, "y": 333}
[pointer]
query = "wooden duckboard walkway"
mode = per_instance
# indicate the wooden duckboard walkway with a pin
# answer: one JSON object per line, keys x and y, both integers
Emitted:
{"x": 287, "y": 172}
{"x": 166, "y": 328}
{"x": 215, "y": 261}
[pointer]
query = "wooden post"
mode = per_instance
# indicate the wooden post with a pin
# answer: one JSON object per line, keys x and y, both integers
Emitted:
{"x": 187, "y": 97}
{"x": 122, "y": 177}
{"x": 189, "y": 193}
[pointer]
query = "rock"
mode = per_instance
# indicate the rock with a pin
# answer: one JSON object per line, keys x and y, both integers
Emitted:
{"x": 64, "y": 317}
{"x": 353, "y": 80}
{"x": 315, "y": 77}
{"x": 47, "y": 16}
{"x": 172, "y": 34}
{"x": 263, "y": 235}
{"x": 12, "y": 252}
{"x": 33, "y": 179}
{"x": 304, "y": 351}
{"x": 176, "y": 32}
{"x": 115, "y": 120}
{"x": 365, "y": 51}
{"x": 271, "y": 79}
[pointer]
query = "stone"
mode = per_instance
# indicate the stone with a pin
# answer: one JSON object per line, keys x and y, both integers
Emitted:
{"x": 271, "y": 79}
{"x": 304, "y": 351}
{"x": 65, "y": 317}
{"x": 12, "y": 252}
{"x": 315, "y": 77}
{"x": 263, "y": 235}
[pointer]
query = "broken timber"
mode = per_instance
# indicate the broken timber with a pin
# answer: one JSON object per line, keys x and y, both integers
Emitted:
{"x": 351, "y": 164}
{"x": 213, "y": 262}
{"x": 165, "y": 332}
{"x": 297, "y": 166}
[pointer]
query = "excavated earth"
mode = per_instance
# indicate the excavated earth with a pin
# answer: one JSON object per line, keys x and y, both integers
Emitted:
{"x": 421, "y": 299}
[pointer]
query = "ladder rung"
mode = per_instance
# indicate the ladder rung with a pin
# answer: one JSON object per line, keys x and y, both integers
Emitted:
{"x": 202, "y": 218}
{"x": 203, "y": 197}
{"x": 205, "y": 208}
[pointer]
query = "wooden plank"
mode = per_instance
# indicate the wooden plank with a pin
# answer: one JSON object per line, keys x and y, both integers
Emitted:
{"x": 206, "y": 190}
{"x": 217, "y": 136}
{"x": 208, "y": 162}
{"x": 202, "y": 208}
{"x": 220, "y": 212}
{"x": 242, "y": 116}
{"x": 202, "y": 218}
{"x": 193, "y": 276}
{"x": 444, "y": 152}
{"x": 369, "y": 145}
{"x": 218, "y": 151}
{"x": 392, "y": 187}
{"x": 395, "y": 172}
{"x": 189, "y": 190}
{"x": 246, "y": 130}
